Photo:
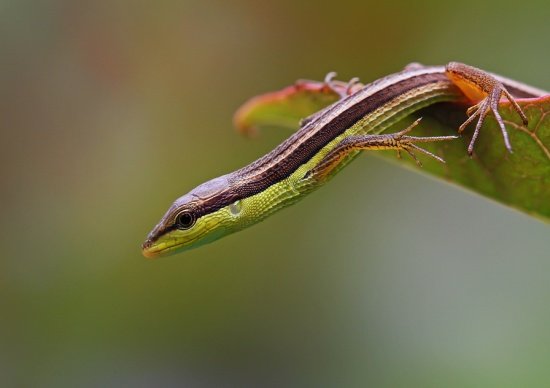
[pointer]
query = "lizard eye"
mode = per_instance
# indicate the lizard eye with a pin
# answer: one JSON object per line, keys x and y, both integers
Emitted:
{"x": 185, "y": 220}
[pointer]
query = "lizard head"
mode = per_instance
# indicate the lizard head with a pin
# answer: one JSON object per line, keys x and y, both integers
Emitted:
{"x": 201, "y": 216}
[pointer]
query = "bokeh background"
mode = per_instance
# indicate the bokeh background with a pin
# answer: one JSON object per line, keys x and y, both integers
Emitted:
{"x": 109, "y": 110}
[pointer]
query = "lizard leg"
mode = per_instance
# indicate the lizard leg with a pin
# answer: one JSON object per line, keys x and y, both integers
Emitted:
{"x": 484, "y": 89}
{"x": 398, "y": 141}
{"x": 341, "y": 88}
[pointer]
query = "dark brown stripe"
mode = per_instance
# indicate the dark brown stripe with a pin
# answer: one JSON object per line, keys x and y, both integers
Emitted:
{"x": 281, "y": 162}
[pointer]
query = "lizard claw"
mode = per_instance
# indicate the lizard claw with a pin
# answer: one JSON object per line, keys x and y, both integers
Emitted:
{"x": 481, "y": 109}
{"x": 341, "y": 88}
{"x": 407, "y": 143}
{"x": 475, "y": 84}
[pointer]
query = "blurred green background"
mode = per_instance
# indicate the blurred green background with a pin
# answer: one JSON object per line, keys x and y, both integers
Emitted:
{"x": 110, "y": 110}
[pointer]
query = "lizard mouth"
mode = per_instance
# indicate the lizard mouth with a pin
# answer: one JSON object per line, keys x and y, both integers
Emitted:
{"x": 152, "y": 251}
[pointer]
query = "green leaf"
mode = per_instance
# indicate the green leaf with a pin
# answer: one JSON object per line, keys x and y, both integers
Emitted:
{"x": 520, "y": 179}
{"x": 284, "y": 108}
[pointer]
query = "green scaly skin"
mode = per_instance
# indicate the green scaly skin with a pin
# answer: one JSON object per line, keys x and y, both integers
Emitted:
{"x": 326, "y": 143}
{"x": 251, "y": 210}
